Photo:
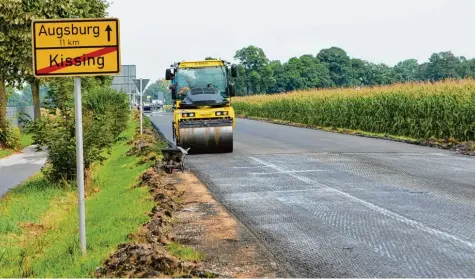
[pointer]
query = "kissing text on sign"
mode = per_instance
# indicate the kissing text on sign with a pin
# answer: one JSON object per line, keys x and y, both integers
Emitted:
{"x": 76, "y": 47}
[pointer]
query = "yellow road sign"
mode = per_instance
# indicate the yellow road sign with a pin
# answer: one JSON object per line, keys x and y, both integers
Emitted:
{"x": 76, "y": 47}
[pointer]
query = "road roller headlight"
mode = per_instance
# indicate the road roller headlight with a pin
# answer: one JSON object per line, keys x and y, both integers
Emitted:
{"x": 220, "y": 113}
{"x": 189, "y": 114}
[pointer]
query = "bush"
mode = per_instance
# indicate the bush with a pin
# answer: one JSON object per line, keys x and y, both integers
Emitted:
{"x": 23, "y": 120}
{"x": 11, "y": 137}
{"x": 108, "y": 105}
{"x": 105, "y": 115}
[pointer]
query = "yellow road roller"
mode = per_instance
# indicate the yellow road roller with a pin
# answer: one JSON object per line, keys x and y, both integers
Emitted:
{"x": 204, "y": 119}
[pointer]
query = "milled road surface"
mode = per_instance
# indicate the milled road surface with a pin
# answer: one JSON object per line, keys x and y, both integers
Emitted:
{"x": 333, "y": 205}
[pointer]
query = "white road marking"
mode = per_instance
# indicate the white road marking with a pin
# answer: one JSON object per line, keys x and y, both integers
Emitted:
{"x": 386, "y": 212}
{"x": 285, "y": 172}
{"x": 253, "y": 167}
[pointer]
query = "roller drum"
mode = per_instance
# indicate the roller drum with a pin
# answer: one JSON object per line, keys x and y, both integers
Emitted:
{"x": 206, "y": 136}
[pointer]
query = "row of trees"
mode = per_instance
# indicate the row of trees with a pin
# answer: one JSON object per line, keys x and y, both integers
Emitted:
{"x": 159, "y": 87}
{"x": 332, "y": 67}
{"x": 15, "y": 43}
{"x": 25, "y": 97}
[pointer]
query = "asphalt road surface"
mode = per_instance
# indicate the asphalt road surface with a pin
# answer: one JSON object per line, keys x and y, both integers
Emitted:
{"x": 334, "y": 205}
{"x": 19, "y": 167}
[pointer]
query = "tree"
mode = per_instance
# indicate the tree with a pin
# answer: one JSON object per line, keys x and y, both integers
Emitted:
{"x": 268, "y": 80}
{"x": 305, "y": 72}
{"x": 241, "y": 81}
{"x": 24, "y": 98}
{"x": 406, "y": 70}
{"x": 23, "y": 12}
{"x": 13, "y": 24}
{"x": 422, "y": 72}
{"x": 333, "y": 67}
{"x": 153, "y": 91}
{"x": 251, "y": 57}
{"x": 360, "y": 72}
{"x": 278, "y": 73}
{"x": 314, "y": 73}
{"x": 292, "y": 75}
{"x": 466, "y": 67}
{"x": 443, "y": 65}
{"x": 254, "y": 61}
{"x": 157, "y": 90}
{"x": 382, "y": 74}
{"x": 339, "y": 65}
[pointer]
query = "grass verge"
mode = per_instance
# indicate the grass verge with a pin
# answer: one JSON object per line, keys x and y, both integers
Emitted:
{"x": 5, "y": 152}
{"x": 26, "y": 140}
{"x": 39, "y": 222}
{"x": 184, "y": 253}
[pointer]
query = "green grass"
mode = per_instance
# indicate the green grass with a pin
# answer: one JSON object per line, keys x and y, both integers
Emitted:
{"x": 184, "y": 253}
{"x": 26, "y": 140}
{"x": 25, "y": 203}
{"x": 5, "y": 152}
{"x": 111, "y": 214}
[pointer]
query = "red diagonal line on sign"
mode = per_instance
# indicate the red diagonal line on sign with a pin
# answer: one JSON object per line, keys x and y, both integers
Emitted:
{"x": 95, "y": 53}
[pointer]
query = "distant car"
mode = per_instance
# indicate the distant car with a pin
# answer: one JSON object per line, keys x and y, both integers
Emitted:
{"x": 147, "y": 107}
{"x": 157, "y": 104}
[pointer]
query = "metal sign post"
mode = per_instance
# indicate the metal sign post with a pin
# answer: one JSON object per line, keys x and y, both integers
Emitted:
{"x": 74, "y": 55}
{"x": 78, "y": 117}
{"x": 141, "y": 84}
{"x": 141, "y": 106}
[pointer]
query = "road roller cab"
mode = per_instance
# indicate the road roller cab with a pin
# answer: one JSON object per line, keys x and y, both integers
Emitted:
{"x": 203, "y": 116}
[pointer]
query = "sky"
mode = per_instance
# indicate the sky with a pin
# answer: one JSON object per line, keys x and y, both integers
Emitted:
{"x": 155, "y": 34}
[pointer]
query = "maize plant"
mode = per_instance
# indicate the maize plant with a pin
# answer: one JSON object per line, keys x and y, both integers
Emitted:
{"x": 442, "y": 110}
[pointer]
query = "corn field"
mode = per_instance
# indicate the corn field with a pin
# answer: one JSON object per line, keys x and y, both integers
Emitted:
{"x": 418, "y": 110}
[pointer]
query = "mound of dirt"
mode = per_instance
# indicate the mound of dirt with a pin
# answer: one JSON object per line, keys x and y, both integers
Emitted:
{"x": 147, "y": 256}
{"x": 140, "y": 260}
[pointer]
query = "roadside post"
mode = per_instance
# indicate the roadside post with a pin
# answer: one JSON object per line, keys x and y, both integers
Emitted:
{"x": 140, "y": 84}
{"x": 76, "y": 47}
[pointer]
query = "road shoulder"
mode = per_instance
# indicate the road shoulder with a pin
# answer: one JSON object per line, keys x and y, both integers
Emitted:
{"x": 229, "y": 248}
